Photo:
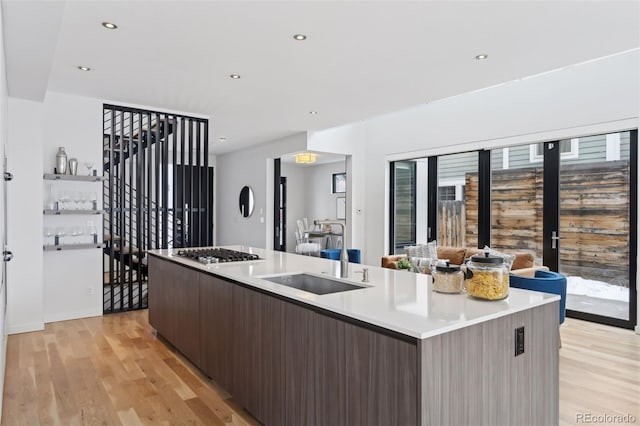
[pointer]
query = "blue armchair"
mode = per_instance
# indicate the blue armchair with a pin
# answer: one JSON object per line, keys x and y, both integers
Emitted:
{"x": 546, "y": 282}
{"x": 353, "y": 254}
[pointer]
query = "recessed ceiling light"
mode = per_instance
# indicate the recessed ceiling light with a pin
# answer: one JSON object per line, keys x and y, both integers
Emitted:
{"x": 299, "y": 37}
{"x": 482, "y": 56}
{"x": 313, "y": 112}
{"x": 109, "y": 25}
{"x": 83, "y": 68}
{"x": 234, "y": 76}
{"x": 222, "y": 138}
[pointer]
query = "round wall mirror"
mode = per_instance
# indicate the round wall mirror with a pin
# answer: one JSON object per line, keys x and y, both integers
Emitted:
{"x": 246, "y": 201}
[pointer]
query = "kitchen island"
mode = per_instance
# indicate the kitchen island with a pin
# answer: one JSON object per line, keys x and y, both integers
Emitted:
{"x": 390, "y": 353}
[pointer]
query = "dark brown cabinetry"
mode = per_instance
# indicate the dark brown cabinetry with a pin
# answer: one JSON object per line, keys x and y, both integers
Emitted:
{"x": 330, "y": 371}
{"x": 291, "y": 364}
{"x": 362, "y": 377}
{"x": 257, "y": 354}
{"x": 175, "y": 297}
{"x": 299, "y": 359}
{"x": 380, "y": 378}
{"x": 285, "y": 363}
{"x": 295, "y": 366}
{"x": 215, "y": 328}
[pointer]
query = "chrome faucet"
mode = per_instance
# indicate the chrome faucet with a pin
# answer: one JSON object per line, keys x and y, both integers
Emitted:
{"x": 344, "y": 258}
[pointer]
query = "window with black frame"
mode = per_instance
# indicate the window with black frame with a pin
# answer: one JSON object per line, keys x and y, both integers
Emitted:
{"x": 587, "y": 231}
{"x": 404, "y": 204}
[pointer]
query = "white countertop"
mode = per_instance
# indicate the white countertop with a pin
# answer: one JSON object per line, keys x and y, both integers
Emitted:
{"x": 396, "y": 300}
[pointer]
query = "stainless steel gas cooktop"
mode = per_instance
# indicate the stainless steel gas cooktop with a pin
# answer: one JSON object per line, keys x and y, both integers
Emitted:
{"x": 209, "y": 255}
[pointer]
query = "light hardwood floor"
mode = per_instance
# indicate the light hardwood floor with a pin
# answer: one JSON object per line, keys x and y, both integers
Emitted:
{"x": 113, "y": 370}
{"x": 599, "y": 371}
{"x": 109, "y": 370}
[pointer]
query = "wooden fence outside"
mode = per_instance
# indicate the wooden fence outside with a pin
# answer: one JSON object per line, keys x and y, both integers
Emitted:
{"x": 451, "y": 223}
{"x": 594, "y": 217}
{"x": 594, "y": 221}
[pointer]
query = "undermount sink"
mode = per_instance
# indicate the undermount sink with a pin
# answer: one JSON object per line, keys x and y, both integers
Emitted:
{"x": 312, "y": 283}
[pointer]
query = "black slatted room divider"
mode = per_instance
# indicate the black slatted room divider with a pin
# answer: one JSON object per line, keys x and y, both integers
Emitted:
{"x": 158, "y": 193}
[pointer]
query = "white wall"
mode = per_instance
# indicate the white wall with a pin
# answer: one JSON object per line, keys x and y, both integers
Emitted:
{"x": 24, "y": 216}
{"x": 252, "y": 167}
{"x": 73, "y": 279}
{"x": 3, "y": 143}
{"x": 320, "y": 202}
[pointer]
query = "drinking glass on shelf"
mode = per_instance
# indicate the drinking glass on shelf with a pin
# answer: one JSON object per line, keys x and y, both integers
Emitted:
{"x": 89, "y": 166}
{"x": 65, "y": 198}
{"x": 48, "y": 236}
{"x": 50, "y": 203}
{"x": 75, "y": 200}
{"x": 84, "y": 201}
{"x": 70, "y": 235}
{"x": 78, "y": 233}
{"x": 61, "y": 200}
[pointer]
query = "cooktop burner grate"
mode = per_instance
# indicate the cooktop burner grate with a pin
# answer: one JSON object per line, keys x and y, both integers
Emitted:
{"x": 216, "y": 255}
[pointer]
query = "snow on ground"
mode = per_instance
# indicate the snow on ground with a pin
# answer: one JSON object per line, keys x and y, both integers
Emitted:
{"x": 597, "y": 289}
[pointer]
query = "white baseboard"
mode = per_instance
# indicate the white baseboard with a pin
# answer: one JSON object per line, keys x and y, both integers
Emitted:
{"x": 25, "y": 328}
{"x": 66, "y": 316}
{"x": 637, "y": 329}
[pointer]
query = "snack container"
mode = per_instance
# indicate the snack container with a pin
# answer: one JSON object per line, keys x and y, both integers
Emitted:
{"x": 487, "y": 277}
{"x": 448, "y": 279}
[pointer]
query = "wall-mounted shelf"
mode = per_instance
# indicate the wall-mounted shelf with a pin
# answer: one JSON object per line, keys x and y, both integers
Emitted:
{"x": 76, "y": 212}
{"x": 77, "y": 178}
{"x": 72, "y": 247}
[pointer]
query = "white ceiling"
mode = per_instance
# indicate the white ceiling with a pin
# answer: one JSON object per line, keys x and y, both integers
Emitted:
{"x": 361, "y": 59}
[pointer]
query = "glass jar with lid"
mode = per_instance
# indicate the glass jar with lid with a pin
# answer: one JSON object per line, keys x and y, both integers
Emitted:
{"x": 447, "y": 278}
{"x": 487, "y": 277}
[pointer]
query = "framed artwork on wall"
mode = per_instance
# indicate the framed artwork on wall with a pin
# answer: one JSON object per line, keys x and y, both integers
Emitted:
{"x": 339, "y": 183}
{"x": 341, "y": 208}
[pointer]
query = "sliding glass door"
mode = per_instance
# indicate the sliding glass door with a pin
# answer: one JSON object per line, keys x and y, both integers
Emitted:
{"x": 594, "y": 239}
{"x": 571, "y": 203}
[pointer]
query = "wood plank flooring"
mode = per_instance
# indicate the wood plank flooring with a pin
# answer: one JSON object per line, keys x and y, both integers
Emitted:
{"x": 109, "y": 370}
{"x": 112, "y": 370}
{"x": 599, "y": 372}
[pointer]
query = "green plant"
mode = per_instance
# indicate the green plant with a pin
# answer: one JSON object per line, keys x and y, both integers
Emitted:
{"x": 404, "y": 264}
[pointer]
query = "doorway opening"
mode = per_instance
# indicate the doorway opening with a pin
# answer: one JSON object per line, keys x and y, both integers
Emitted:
{"x": 315, "y": 190}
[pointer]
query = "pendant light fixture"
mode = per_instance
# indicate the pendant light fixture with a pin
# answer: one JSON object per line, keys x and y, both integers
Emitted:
{"x": 305, "y": 158}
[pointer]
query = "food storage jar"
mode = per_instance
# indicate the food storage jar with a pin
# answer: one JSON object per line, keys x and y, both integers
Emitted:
{"x": 487, "y": 277}
{"x": 448, "y": 279}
